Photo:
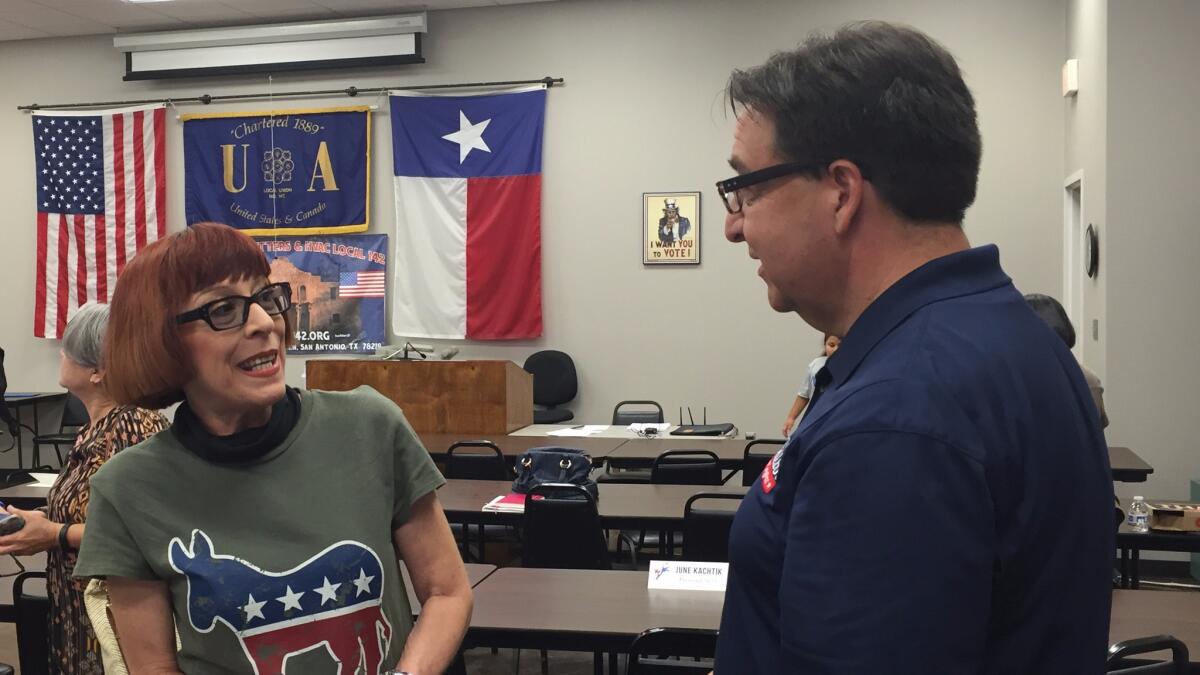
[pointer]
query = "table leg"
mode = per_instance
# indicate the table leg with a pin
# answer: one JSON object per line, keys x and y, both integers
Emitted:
{"x": 1134, "y": 582}
{"x": 20, "y": 438}
{"x": 1124, "y": 567}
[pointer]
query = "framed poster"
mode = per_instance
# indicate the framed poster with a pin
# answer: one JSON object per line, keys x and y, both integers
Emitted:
{"x": 671, "y": 228}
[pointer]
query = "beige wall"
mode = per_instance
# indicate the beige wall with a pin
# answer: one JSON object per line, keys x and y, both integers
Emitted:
{"x": 1086, "y": 148}
{"x": 641, "y": 111}
{"x": 1153, "y": 238}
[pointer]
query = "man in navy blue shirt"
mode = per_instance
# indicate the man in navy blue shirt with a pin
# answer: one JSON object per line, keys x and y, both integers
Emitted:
{"x": 945, "y": 506}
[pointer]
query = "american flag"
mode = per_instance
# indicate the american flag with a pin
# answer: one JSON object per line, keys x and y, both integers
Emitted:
{"x": 361, "y": 284}
{"x": 101, "y": 197}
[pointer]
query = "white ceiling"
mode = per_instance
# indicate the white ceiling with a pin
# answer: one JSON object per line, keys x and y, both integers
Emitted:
{"x": 29, "y": 19}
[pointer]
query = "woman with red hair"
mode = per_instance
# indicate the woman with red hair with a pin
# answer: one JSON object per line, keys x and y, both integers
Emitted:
{"x": 279, "y": 514}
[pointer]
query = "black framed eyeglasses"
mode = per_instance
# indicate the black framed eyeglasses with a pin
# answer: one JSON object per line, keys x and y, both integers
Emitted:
{"x": 233, "y": 311}
{"x": 730, "y": 187}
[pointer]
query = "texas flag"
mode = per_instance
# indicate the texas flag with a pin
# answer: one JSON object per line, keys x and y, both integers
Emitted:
{"x": 468, "y": 211}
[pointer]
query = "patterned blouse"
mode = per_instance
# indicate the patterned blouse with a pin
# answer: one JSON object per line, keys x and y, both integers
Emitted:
{"x": 73, "y": 646}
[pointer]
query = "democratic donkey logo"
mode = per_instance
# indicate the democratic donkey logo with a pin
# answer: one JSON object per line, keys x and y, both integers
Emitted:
{"x": 331, "y": 601}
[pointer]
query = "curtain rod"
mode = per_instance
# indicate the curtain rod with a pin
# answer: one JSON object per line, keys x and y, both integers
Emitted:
{"x": 348, "y": 91}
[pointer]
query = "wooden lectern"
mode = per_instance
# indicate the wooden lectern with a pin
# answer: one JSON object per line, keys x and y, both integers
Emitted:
{"x": 444, "y": 397}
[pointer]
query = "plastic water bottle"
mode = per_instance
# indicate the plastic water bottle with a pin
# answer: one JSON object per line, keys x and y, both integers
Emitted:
{"x": 1139, "y": 516}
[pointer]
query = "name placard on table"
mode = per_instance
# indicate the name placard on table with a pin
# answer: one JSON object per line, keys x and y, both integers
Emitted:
{"x": 681, "y": 575}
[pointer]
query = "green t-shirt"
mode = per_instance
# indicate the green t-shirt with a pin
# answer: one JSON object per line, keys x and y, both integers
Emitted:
{"x": 283, "y": 562}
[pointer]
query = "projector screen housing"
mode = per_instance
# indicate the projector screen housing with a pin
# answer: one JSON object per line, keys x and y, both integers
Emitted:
{"x": 382, "y": 41}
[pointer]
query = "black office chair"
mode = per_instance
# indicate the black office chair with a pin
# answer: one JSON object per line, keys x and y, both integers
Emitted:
{"x": 623, "y": 418}
{"x": 74, "y": 417}
{"x": 686, "y": 467}
{"x": 32, "y": 611}
{"x": 706, "y": 531}
{"x": 1119, "y": 663}
{"x": 647, "y": 654}
{"x": 754, "y": 463}
{"x": 555, "y": 383}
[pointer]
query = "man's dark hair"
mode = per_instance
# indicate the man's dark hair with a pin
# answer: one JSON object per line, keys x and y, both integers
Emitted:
{"x": 888, "y": 98}
{"x": 1049, "y": 310}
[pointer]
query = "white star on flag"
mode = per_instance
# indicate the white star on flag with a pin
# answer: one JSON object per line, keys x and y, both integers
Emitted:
{"x": 253, "y": 609}
{"x": 291, "y": 599}
{"x": 469, "y": 136}
{"x": 362, "y": 583}
{"x": 328, "y": 591}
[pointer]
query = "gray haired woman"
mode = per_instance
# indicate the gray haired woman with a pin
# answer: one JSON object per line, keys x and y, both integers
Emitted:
{"x": 59, "y": 531}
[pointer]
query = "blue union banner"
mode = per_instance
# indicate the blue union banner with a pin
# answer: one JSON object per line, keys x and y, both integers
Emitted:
{"x": 284, "y": 172}
{"x": 338, "y": 287}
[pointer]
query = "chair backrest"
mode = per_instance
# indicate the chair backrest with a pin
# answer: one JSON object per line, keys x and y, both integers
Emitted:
{"x": 624, "y": 418}
{"x": 662, "y": 642}
{"x": 74, "y": 415}
{"x": 753, "y": 463}
{"x": 706, "y": 531}
{"x": 32, "y": 610}
{"x": 482, "y": 460}
{"x": 554, "y": 378}
{"x": 1121, "y": 651}
{"x": 6, "y": 417}
{"x": 562, "y": 529}
{"x": 686, "y": 467}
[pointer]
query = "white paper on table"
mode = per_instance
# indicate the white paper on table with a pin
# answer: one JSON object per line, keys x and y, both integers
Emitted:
{"x": 43, "y": 479}
{"x": 582, "y": 430}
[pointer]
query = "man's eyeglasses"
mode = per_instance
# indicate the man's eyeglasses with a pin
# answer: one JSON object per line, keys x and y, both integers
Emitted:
{"x": 730, "y": 188}
{"x": 234, "y": 310}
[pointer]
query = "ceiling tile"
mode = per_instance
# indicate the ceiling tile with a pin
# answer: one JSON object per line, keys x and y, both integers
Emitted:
{"x": 12, "y": 31}
{"x": 112, "y": 12}
{"x": 53, "y": 21}
{"x": 48, "y": 18}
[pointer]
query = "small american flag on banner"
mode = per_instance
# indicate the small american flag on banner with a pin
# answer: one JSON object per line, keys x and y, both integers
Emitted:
{"x": 101, "y": 197}
{"x": 361, "y": 284}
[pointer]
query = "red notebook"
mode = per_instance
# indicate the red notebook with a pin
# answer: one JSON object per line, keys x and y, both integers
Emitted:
{"x": 513, "y": 502}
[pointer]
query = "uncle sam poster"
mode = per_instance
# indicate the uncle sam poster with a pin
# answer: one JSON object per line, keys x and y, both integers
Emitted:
{"x": 282, "y": 172}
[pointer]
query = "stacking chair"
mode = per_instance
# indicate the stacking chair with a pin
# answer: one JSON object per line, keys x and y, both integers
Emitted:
{"x": 562, "y": 530}
{"x": 477, "y": 460}
{"x": 555, "y": 383}
{"x": 706, "y": 531}
{"x": 753, "y": 463}
{"x": 647, "y": 654}
{"x": 686, "y": 467}
{"x": 681, "y": 467}
{"x": 74, "y": 418}
{"x": 622, "y": 417}
{"x": 1119, "y": 654}
{"x": 32, "y": 610}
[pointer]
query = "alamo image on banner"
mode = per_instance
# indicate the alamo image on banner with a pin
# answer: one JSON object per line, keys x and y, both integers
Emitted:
{"x": 337, "y": 287}
{"x": 282, "y": 172}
